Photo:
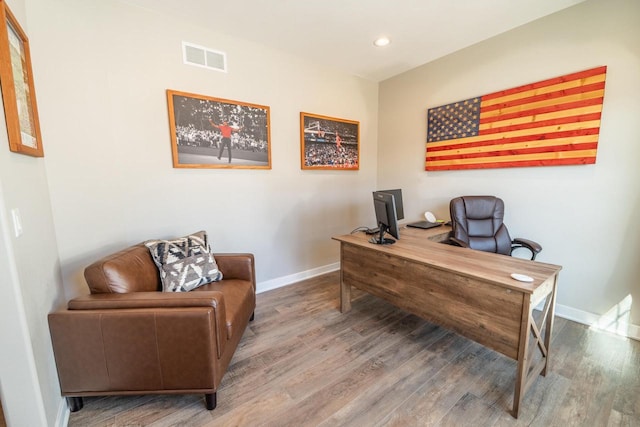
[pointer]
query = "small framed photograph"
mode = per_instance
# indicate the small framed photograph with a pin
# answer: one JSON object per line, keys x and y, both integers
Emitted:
{"x": 210, "y": 132}
{"x": 18, "y": 92}
{"x": 329, "y": 143}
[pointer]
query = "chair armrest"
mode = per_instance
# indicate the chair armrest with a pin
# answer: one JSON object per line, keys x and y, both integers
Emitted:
{"x": 530, "y": 244}
{"x": 534, "y": 247}
{"x": 237, "y": 266}
{"x": 458, "y": 242}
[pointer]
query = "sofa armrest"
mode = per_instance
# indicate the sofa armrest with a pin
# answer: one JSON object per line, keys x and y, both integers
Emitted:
{"x": 157, "y": 301}
{"x": 136, "y": 350}
{"x": 148, "y": 300}
{"x": 237, "y": 266}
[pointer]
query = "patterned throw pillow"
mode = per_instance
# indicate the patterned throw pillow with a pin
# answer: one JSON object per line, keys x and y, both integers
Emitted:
{"x": 185, "y": 263}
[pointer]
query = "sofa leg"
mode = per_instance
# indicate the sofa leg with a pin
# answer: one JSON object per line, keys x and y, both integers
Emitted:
{"x": 253, "y": 316}
{"x": 210, "y": 400}
{"x": 75, "y": 403}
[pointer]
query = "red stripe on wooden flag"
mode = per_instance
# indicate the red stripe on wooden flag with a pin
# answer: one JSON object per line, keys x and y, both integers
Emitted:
{"x": 515, "y": 164}
{"x": 543, "y": 97}
{"x": 523, "y": 138}
{"x": 541, "y": 123}
{"x": 542, "y": 110}
{"x": 508, "y": 152}
{"x": 550, "y": 82}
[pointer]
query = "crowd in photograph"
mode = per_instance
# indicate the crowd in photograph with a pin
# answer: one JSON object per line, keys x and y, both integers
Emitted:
{"x": 322, "y": 154}
{"x": 210, "y": 138}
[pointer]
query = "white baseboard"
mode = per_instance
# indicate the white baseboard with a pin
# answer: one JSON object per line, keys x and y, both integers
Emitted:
{"x": 293, "y": 278}
{"x": 62, "y": 420}
{"x": 621, "y": 327}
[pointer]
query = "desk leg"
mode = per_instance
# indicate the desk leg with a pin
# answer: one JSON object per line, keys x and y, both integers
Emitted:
{"x": 345, "y": 289}
{"x": 532, "y": 340}
{"x": 549, "y": 326}
{"x": 523, "y": 352}
{"x": 345, "y": 297}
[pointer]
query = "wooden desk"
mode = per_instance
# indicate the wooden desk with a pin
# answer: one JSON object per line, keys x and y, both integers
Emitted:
{"x": 467, "y": 291}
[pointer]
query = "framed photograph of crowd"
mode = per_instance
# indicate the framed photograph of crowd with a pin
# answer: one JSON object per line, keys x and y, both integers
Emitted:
{"x": 210, "y": 132}
{"x": 329, "y": 143}
{"x": 18, "y": 92}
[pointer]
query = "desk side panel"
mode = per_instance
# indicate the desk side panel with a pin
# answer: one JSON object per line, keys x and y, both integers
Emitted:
{"x": 484, "y": 312}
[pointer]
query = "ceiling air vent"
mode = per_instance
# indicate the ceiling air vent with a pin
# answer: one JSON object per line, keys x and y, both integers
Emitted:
{"x": 204, "y": 57}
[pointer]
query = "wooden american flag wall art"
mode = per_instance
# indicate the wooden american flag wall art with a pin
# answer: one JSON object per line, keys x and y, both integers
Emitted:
{"x": 548, "y": 123}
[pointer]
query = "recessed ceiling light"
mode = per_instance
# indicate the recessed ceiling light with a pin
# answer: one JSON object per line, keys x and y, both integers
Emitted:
{"x": 381, "y": 41}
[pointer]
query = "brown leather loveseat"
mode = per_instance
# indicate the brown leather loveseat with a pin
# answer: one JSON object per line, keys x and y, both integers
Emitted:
{"x": 129, "y": 338}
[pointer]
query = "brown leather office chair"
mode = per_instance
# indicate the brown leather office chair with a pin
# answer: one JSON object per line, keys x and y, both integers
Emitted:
{"x": 476, "y": 223}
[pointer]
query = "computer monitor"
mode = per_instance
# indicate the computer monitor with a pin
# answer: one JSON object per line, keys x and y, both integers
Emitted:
{"x": 385, "y": 208}
{"x": 397, "y": 195}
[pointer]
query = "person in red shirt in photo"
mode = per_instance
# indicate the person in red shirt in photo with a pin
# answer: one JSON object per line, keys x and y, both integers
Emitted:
{"x": 226, "y": 132}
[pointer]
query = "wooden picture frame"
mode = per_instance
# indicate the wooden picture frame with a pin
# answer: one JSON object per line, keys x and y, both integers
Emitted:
{"x": 329, "y": 143}
{"x": 18, "y": 92}
{"x": 216, "y": 133}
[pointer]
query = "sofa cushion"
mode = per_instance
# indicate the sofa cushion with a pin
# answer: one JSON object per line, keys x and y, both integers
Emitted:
{"x": 184, "y": 263}
{"x": 239, "y": 301}
{"x": 129, "y": 270}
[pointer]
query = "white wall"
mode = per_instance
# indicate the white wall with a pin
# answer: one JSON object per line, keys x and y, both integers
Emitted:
{"x": 103, "y": 69}
{"x": 586, "y": 217}
{"x": 31, "y": 284}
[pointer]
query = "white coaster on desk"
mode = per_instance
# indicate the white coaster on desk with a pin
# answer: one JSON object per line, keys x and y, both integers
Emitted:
{"x": 522, "y": 277}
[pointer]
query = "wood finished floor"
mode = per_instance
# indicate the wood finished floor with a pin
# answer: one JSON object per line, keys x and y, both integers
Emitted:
{"x": 303, "y": 363}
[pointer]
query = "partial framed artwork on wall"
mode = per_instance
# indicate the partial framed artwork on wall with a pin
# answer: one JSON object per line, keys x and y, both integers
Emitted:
{"x": 18, "y": 92}
{"x": 209, "y": 132}
{"x": 329, "y": 143}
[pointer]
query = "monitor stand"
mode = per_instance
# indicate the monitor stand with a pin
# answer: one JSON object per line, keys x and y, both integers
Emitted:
{"x": 381, "y": 240}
